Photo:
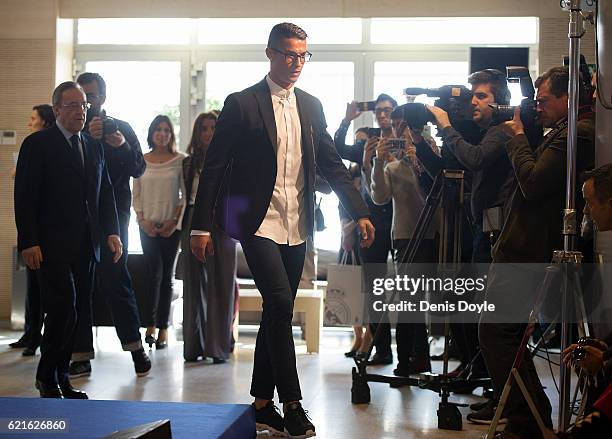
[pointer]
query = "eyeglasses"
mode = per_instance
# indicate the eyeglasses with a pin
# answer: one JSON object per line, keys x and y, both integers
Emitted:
{"x": 78, "y": 105}
{"x": 291, "y": 57}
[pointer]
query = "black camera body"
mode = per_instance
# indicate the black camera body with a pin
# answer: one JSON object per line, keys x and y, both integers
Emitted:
{"x": 109, "y": 125}
{"x": 529, "y": 114}
{"x": 456, "y": 100}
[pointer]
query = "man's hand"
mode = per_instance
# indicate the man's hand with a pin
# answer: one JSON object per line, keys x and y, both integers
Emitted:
{"x": 383, "y": 150}
{"x": 115, "y": 140}
{"x": 515, "y": 126}
{"x": 114, "y": 243}
{"x": 148, "y": 227}
{"x": 592, "y": 362}
{"x": 366, "y": 232}
{"x": 32, "y": 256}
{"x": 96, "y": 128}
{"x": 168, "y": 227}
{"x": 201, "y": 246}
{"x": 351, "y": 111}
{"x": 440, "y": 115}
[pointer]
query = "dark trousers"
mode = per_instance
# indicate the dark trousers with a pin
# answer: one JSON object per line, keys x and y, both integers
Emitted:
{"x": 66, "y": 293}
{"x": 115, "y": 284}
{"x": 33, "y": 311}
{"x": 276, "y": 270}
{"x": 378, "y": 254}
{"x": 500, "y": 342}
{"x": 411, "y": 338}
{"x": 160, "y": 255}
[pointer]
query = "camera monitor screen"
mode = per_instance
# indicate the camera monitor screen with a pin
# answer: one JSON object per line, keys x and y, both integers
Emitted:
{"x": 498, "y": 58}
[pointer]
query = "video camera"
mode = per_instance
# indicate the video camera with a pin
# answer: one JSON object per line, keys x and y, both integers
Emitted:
{"x": 456, "y": 100}
{"x": 529, "y": 115}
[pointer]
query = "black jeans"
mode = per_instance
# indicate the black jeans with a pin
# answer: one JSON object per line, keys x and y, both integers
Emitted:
{"x": 276, "y": 270}
{"x": 377, "y": 254}
{"x": 160, "y": 254}
{"x": 66, "y": 293}
{"x": 500, "y": 342}
{"x": 115, "y": 283}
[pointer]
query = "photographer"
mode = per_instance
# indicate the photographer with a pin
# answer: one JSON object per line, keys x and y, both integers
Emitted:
{"x": 595, "y": 357}
{"x": 381, "y": 215}
{"x": 398, "y": 177}
{"x": 492, "y": 174}
{"x": 531, "y": 232}
{"x": 124, "y": 158}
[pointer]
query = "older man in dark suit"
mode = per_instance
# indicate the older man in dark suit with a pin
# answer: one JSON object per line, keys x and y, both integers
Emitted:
{"x": 64, "y": 203}
{"x": 269, "y": 141}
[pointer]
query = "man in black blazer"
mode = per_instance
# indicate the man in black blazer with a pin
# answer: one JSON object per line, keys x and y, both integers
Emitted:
{"x": 258, "y": 184}
{"x": 64, "y": 204}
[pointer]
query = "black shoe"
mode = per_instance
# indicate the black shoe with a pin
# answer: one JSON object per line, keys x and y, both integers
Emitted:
{"x": 217, "y": 360}
{"x": 297, "y": 422}
{"x": 414, "y": 368}
{"x": 485, "y": 415}
{"x": 378, "y": 360}
{"x": 161, "y": 344}
{"x": 48, "y": 390}
{"x": 70, "y": 392}
{"x": 142, "y": 363}
{"x": 150, "y": 340}
{"x": 269, "y": 419}
{"x": 21, "y": 343}
{"x": 479, "y": 405}
{"x": 80, "y": 369}
{"x": 350, "y": 354}
{"x": 29, "y": 352}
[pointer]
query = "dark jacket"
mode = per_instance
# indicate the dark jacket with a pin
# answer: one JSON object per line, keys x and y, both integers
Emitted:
{"x": 242, "y": 153}
{"x": 56, "y": 199}
{"x": 124, "y": 162}
{"x": 492, "y": 173}
{"x": 532, "y": 230}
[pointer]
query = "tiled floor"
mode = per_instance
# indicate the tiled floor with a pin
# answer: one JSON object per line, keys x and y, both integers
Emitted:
{"x": 325, "y": 378}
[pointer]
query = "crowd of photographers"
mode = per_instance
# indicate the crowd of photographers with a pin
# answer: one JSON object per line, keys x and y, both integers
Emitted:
{"x": 514, "y": 165}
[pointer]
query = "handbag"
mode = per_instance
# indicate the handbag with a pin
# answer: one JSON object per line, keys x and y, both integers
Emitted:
{"x": 344, "y": 304}
{"x": 319, "y": 219}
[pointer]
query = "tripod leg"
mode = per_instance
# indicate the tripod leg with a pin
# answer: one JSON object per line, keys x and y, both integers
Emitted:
{"x": 534, "y": 411}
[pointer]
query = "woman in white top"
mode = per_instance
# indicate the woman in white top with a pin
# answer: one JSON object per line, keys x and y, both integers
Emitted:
{"x": 159, "y": 202}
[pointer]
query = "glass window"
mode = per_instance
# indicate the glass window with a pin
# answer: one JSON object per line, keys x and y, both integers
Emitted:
{"x": 224, "y": 78}
{"x": 455, "y": 30}
{"x": 257, "y": 30}
{"x": 133, "y": 31}
{"x": 137, "y": 91}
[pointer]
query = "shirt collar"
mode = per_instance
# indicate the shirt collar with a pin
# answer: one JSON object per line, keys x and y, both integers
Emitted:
{"x": 67, "y": 134}
{"x": 277, "y": 90}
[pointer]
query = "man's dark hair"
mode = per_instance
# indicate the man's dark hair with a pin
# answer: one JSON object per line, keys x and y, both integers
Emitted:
{"x": 46, "y": 114}
{"x": 362, "y": 130}
{"x": 385, "y": 97}
{"x": 497, "y": 81}
{"x": 558, "y": 78}
{"x": 89, "y": 77}
{"x": 285, "y": 30}
{"x": 602, "y": 181}
{"x": 60, "y": 89}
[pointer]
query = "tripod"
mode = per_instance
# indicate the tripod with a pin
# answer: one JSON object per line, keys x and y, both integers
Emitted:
{"x": 447, "y": 192}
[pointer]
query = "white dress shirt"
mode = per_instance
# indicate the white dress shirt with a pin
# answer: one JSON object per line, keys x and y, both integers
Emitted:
{"x": 285, "y": 222}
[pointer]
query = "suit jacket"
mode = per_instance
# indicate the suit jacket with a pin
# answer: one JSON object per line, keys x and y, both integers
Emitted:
{"x": 56, "y": 198}
{"x": 242, "y": 160}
